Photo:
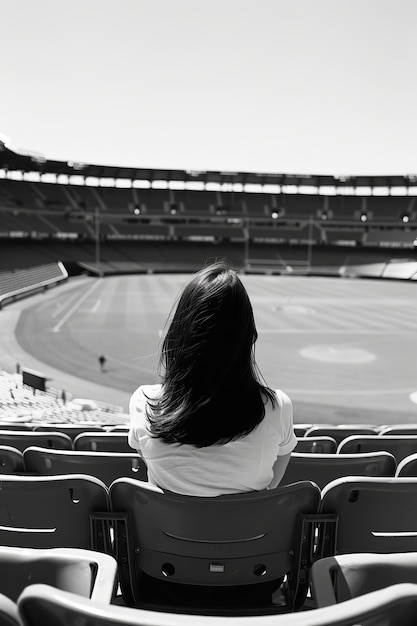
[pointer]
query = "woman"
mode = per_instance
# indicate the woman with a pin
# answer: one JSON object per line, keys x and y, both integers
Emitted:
{"x": 212, "y": 426}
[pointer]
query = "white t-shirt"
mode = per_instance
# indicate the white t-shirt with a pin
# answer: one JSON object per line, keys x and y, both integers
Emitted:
{"x": 244, "y": 464}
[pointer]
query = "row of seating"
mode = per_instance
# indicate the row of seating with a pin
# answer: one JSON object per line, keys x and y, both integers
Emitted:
{"x": 95, "y": 441}
{"x": 210, "y": 543}
{"x": 107, "y": 466}
{"x": 41, "y": 604}
{"x": 59, "y": 197}
{"x": 107, "y": 455}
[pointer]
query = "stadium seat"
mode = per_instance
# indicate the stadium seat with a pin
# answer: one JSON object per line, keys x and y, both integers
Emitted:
{"x": 106, "y": 466}
{"x": 316, "y": 445}
{"x": 51, "y": 511}
{"x": 11, "y": 460}
{"x": 9, "y": 615}
{"x": 300, "y": 429}
{"x": 323, "y": 468}
{"x": 346, "y": 576}
{"x": 339, "y": 432}
{"x": 102, "y": 442}
{"x": 408, "y": 466}
{"x": 72, "y": 430}
{"x": 399, "y": 446}
{"x": 42, "y": 604}
{"x": 85, "y": 572}
{"x": 399, "y": 429}
{"x": 369, "y": 514}
{"x": 219, "y": 546}
{"x": 23, "y": 439}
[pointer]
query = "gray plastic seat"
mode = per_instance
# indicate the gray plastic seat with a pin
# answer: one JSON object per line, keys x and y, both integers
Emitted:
{"x": 399, "y": 446}
{"x": 88, "y": 573}
{"x": 22, "y": 439}
{"x": 340, "y": 432}
{"x": 41, "y": 604}
{"x": 345, "y": 576}
{"x": 11, "y": 460}
{"x": 102, "y": 442}
{"x": 107, "y": 466}
{"x": 50, "y": 511}
{"x": 323, "y": 468}
{"x": 212, "y": 543}
{"x": 316, "y": 445}
{"x": 373, "y": 514}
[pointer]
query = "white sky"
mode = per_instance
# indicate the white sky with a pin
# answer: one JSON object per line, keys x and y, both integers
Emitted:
{"x": 288, "y": 86}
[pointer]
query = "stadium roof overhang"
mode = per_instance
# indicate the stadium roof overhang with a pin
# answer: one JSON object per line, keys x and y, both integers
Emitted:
{"x": 13, "y": 161}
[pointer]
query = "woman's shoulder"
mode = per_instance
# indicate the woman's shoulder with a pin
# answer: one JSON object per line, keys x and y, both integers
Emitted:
{"x": 142, "y": 394}
{"x": 278, "y": 400}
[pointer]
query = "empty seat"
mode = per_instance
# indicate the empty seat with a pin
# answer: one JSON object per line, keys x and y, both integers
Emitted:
{"x": 107, "y": 466}
{"x": 323, "y": 468}
{"x": 399, "y": 446}
{"x": 339, "y": 432}
{"x": 72, "y": 430}
{"x": 86, "y": 572}
{"x": 372, "y": 514}
{"x": 399, "y": 429}
{"x": 23, "y": 439}
{"x": 11, "y": 460}
{"x": 345, "y": 576}
{"x": 407, "y": 466}
{"x": 42, "y": 604}
{"x": 102, "y": 442}
{"x": 316, "y": 445}
{"x": 50, "y": 511}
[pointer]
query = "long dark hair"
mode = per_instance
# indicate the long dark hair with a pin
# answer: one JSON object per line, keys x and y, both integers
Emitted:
{"x": 212, "y": 391}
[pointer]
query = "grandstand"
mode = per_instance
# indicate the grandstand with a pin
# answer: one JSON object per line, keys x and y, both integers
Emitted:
{"x": 118, "y": 219}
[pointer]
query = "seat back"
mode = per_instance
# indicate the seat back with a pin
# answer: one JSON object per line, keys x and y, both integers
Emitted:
{"x": 373, "y": 514}
{"x": 72, "y": 430}
{"x": 399, "y": 446}
{"x": 11, "y": 460}
{"x": 339, "y": 432}
{"x": 316, "y": 445}
{"x": 227, "y": 540}
{"x": 399, "y": 429}
{"x": 85, "y": 572}
{"x": 102, "y": 442}
{"x": 9, "y": 614}
{"x": 408, "y": 466}
{"x": 106, "y": 466}
{"x": 22, "y": 439}
{"x": 323, "y": 468}
{"x": 41, "y": 604}
{"x": 300, "y": 429}
{"x": 49, "y": 511}
{"x": 339, "y": 578}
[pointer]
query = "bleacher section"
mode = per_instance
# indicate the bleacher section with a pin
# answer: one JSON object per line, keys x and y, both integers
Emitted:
{"x": 21, "y": 404}
{"x": 20, "y": 282}
{"x": 79, "y": 214}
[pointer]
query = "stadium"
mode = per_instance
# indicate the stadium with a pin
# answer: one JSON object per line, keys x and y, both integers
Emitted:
{"x": 332, "y": 277}
{"x": 164, "y": 138}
